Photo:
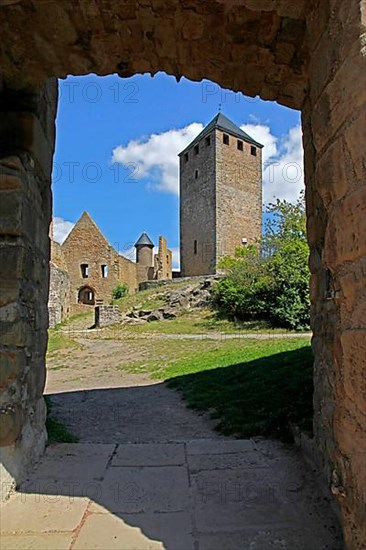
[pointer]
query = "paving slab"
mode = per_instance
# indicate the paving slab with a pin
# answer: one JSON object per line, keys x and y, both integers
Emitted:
{"x": 76, "y": 462}
{"x": 149, "y": 454}
{"x": 224, "y": 495}
{"x": 136, "y": 532}
{"x": 228, "y": 500}
{"x": 39, "y": 513}
{"x": 281, "y": 538}
{"x": 212, "y": 446}
{"x": 244, "y": 460}
{"x": 54, "y": 541}
{"x": 144, "y": 489}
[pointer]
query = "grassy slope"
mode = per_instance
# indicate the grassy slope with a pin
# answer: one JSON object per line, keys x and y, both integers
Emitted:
{"x": 260, "y": 393}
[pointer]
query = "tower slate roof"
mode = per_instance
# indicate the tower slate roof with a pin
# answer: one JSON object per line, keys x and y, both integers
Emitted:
{"x": 221, "y": 122}
{"x": 144, "y": 240}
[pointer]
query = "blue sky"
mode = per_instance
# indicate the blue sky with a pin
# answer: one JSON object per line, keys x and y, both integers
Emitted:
{"x": 117, "y": 144}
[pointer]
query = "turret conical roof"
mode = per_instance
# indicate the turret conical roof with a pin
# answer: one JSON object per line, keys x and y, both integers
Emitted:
{"x": 144, "y": 240}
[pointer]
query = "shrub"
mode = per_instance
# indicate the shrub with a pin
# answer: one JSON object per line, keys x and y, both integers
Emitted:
{"x": 119, "y": 291}
{"x": 270, "y": 281}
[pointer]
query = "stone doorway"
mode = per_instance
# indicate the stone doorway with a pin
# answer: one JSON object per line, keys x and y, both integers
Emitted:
{"x": 86, "y": 296}
{"x": 305, "y": 55}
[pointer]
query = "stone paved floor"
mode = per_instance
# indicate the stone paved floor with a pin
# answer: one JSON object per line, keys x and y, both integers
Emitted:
{"x": 199, "y": 495}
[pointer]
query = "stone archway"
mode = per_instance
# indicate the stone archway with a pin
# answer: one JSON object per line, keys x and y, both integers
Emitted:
{"x": 86, "y": 296}
{"x": 304, "y": 54}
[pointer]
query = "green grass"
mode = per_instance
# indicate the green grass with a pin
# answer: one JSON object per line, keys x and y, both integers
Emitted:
{"x": 201, "y": 321}
{"x": 146, "y": 299}
{"x": 57, "y": 432}
{"x": 58, "y": 341}
{"x": 265, "y": 390}
{"x": 251, "y": 387}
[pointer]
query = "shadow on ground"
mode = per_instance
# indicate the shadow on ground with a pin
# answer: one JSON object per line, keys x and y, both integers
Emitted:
{"x": 149, "y": 473}
{"x": 201, "y": 494}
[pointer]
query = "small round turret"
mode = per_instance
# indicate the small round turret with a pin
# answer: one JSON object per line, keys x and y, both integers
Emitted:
{"x": 144, "y": 251}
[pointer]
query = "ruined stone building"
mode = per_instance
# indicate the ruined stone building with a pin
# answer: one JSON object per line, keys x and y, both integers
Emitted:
{"x": 85, "y": 269}
{"x": 220, "y": 195}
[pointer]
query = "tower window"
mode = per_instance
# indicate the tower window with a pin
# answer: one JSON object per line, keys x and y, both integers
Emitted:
{"x": 225, "y": 139}
{"x": 196, "y": 149}
{"x": 195, "y": 174}
{"x": 240, "y": 145}
{"x": 186, "y": 157}
{"x": 253, "y": 151}
{"x": 208, "y": 141}
{"x": 195, "y": 247}
{"x": 104, "y": 271}
{"x": 84, "y": 271}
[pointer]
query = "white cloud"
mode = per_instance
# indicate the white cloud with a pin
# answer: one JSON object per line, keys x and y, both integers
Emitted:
{"x": 283, "y": 166}
{"x": 156, "y": 158}
{"x": 61, "y": 229}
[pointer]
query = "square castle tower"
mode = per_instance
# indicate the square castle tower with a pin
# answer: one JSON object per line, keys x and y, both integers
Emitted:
{"x": 220, "y": 196}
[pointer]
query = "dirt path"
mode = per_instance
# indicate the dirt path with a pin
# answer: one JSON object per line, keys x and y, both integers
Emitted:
{"x": 107, "y": 405}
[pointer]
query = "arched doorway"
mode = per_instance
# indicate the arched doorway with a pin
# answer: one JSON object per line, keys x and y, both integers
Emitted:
{"x": 86, "y": 296}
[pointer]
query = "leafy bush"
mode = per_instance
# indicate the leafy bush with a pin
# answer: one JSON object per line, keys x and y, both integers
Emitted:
{"x": 270, "y": 281}
{"x": 119, "y": 291}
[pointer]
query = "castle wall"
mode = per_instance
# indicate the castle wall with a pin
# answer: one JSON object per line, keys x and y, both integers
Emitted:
{"x": 128, "y": 273}
{"x": 198, "y": 211}
{"x": 238, "y": 194}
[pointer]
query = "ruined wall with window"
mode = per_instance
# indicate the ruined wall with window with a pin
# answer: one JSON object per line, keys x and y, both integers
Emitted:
{"x": 94, "y": 266}
{"x": 163, "y": 261}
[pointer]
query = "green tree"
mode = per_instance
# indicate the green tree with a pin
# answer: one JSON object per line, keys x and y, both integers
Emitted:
{"x": 271, "y": 281}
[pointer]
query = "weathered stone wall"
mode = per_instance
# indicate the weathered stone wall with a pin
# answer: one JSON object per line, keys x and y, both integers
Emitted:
{"x": 198, "y": 210}
{"x": 163, "y": 261}
{"x": 238, "y": 195}
{"x": 106, "y": 316}
{"x": 26, "y": 147}
{"x": 307, "y": 55}
{"x": 59, "y": 293}
{"x": 256, "y": 46}
{"x": 59, "y": 296}
{"x": 220, "y": 201}
{"x": 334, "y": 125}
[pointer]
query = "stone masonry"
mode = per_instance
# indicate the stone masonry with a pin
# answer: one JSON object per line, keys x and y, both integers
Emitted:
{"x": 220, "y": 196}
{"x": 106, "y": 316}
{"x": 307, "y": 55}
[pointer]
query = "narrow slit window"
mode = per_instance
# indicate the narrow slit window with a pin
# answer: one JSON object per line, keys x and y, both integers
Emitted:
{"x": 240, "y": 145}
{"x": 225, "y": 139}
{"x": 196, "y": 174}
{"x": 196, "y": 149}
{"x": 253, "y": 151}
{"x": 208, "y": 141}
{"x": 104, "y": 268}
{"x": 195, "y": 247}
{"x": 186, "y": 157}
{"x": 84, "y": 271}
